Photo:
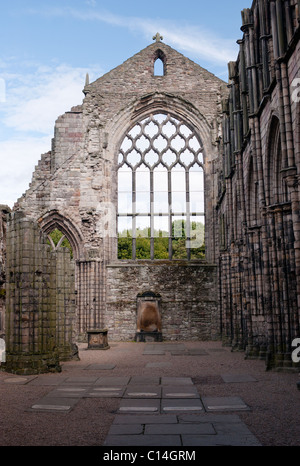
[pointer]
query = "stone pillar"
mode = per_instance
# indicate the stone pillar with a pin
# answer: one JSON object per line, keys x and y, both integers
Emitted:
{"x": 91, "y": 296}
{"x": 40, "y": 304}
{"x": 4, "y": 210}
{"x": 31, "y": 300}
{"x": 65, "y": 305}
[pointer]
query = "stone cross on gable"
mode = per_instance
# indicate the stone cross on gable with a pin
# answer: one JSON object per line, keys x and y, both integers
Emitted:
{"x": 157, "y": 37}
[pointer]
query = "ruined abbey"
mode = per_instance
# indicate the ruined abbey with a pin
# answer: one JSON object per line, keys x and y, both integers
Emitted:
{"x": 170, "y": 186}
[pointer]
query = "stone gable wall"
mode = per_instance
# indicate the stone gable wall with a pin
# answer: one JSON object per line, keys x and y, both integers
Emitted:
{"x": 74, "y": 186}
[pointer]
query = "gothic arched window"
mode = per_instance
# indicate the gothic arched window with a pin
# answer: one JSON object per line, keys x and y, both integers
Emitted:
{"x": 56, "y": 239}
{"x": 161, "y": 191}
{"x": 278, "y": 192}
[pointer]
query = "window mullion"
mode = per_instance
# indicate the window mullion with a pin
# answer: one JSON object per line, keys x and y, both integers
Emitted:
{"x": 188, "y": 215}
{"x": 133, "y": 215}
{"x": 151, "y": 142}
{"x": 151, "y": 217}
{"x": 170, "y": 214}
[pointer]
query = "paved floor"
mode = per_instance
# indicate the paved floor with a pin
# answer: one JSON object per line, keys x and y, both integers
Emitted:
{"x": 151, "y": 394}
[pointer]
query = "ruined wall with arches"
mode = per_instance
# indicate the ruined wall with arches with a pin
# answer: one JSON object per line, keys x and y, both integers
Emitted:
{"x": 76, "y": 197}
{"x": 166, "y": 181}
{"x": 259, "y": 262}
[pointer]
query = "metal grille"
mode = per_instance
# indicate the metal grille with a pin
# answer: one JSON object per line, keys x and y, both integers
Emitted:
{"x": 161, "y": 186}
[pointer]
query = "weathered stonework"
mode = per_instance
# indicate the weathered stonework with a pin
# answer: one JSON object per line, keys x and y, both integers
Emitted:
{"x": 258, "y": 210}
{"x": 40, "y": 305}
{"x": 74, "y": 189}
{"x": 4, "y": 210}
{"x": 188, "y": 300}
{"x": 247, "y": 291}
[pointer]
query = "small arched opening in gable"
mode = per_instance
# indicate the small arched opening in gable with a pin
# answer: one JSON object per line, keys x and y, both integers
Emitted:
{"x": 159, "y": 64}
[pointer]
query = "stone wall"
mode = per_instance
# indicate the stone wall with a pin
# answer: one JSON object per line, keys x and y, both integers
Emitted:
{"x": 40, "y": 300}
{"x": 4, "y": 211}
{"x": 188, "y": 299}
{"x": 258, "y": 209}
{"x": 74, "y": 187}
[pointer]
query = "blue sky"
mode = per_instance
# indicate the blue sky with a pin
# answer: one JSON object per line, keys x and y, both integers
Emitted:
{"x": 48, "y": 46}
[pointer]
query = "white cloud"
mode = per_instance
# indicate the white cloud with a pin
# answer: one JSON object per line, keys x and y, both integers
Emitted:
{"x": 198, "y": 41}
{"x": 34, "y": 100}
{"x": 202, "y": 43}
{"x": 18, "y": 159}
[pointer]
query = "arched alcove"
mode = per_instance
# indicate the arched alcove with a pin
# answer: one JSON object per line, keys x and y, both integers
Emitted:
{"x": 277, "y": 188}
{"x": 159, "y": 68}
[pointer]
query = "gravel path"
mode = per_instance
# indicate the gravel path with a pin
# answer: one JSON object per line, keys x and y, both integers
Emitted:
{"x": 273, "y": 397}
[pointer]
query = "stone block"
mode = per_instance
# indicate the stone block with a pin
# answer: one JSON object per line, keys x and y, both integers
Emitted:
{"x": 139, "y": 406}
{"x": 231, "y": 403}
{"x": 143, "y": 391}
{"x": 143, "y": 440}
{"x": 180, "y": 429}
{"x": 181, "y": 406}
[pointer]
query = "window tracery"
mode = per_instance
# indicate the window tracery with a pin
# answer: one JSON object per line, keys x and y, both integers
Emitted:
{"x": 161, "y": 191}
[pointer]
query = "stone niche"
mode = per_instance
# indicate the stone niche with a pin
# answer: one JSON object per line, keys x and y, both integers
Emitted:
{"x": 149, "y": 324}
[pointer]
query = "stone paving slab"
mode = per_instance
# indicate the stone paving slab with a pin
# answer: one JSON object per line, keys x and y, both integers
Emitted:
{"x": 143, "y": 440}
{"x": 218, "y": 350}
{"x": 18, "y": 380}
{"x": 176, "y": 381}
{"x": 80, "y": 380}
{"x": 219, "y": 440}
{"x": 100, "y": 367}
{"x": 144, "y": 406}
{"x": 142, "y": 419}
{"x": 112, "y": 381}
{"x": 68, "y": 392}
{"x": 163, "y": 348}
{"x": 180, "y": 391}
{"x": 144, "y": 380}
{"x": 208, "y": 417}
{"x": 180, "y": 429}
{"x": 126, "y": 429}
{"x": 46, "y": 380}
{"x": 105, "y": 392}
{"x": 57, "y": 404}
{"x": 233, "y": 403}
{"x": 236, "y": 378}
{"x": 197, "y": 352}
{"x": 154, "y": 352}
{"x": 180, "y": 406}
{"x": 158, "y": 364}
{"x": 143, "y": 391}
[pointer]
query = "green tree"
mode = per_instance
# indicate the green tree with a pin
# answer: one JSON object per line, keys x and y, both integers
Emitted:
{"x": 56, "y": 236}
{"x": 125, "y": 248}
{"x": 161, "y": 242}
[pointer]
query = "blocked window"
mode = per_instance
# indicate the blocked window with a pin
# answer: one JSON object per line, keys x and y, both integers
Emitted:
{"x": 161, "y": 212}
{"x": 278, "y": 190}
